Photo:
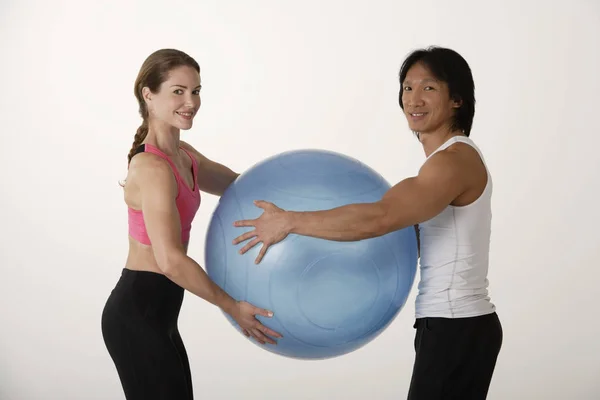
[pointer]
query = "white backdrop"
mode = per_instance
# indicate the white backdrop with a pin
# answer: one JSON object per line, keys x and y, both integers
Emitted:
{"x": 279, "y": 76}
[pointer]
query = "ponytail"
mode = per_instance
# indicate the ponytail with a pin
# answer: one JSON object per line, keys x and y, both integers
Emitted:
{"x": 139, "y": 137}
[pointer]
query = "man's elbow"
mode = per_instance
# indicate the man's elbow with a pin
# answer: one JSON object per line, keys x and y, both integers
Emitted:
{"x": 379, "y": 227}
{"x": 378, "y": 223}
{"x": 388, "y": 221}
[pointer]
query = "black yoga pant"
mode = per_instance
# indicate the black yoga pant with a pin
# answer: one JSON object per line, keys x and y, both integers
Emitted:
{"x": 455, "y": 358}
{"x": 139, "y": 326}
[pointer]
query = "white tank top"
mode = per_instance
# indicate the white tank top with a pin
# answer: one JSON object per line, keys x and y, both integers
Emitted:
{"x": 454, "y": 257}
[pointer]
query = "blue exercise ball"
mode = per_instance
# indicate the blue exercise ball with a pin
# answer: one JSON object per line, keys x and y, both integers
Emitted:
{"x": 329, "y": 298}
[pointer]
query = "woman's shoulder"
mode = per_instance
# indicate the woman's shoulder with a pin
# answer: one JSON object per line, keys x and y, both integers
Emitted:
{"x": 148, "y": 168}
{"x": 189, "y": 147}
{"x": 146, "y": 161}
{"x": 200, "y": 158}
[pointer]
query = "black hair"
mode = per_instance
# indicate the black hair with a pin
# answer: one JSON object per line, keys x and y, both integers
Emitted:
{"x": 450, "y": 67}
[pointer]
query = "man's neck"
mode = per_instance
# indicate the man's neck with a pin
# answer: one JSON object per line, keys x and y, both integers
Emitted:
{"x": 432, "y": 141}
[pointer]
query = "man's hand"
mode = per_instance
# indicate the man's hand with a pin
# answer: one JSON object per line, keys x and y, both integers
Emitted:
{"x": 271, "y": 227}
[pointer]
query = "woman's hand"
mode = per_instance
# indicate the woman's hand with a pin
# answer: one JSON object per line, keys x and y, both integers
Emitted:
{"x": 245, "y": 313}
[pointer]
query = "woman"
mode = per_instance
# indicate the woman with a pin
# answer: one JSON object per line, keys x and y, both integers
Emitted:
{"x": 162, "y": 193}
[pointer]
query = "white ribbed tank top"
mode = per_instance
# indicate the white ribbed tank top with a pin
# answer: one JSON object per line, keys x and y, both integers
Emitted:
{"x": 454, "y": 257}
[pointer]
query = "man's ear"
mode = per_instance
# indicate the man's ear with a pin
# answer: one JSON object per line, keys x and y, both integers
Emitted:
{"x": 457, "y": 102}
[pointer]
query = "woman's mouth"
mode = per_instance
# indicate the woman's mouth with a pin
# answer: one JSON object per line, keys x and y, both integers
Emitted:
{"x": 185, "y": 115}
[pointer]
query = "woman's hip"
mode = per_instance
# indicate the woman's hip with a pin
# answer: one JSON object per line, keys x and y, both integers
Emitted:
{"x": 144, "y": 297}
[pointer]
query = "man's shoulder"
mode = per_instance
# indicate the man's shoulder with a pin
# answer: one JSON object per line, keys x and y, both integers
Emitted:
{"x": 459, "y": 156}
{"x": 459, "y": 165}
{"x": 444, "y": 161}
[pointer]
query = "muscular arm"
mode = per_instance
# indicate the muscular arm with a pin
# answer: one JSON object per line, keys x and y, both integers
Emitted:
{"x": 213, "y": 177}
{"x": 408, "y": 203}
{"x": 158, "y": 190}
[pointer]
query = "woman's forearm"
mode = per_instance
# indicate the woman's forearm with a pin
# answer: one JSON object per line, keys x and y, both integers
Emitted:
{"x": 186, "y": 273}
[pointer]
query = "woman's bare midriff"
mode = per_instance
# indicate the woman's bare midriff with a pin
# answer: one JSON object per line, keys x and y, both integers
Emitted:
{"x": 141, "y": 257}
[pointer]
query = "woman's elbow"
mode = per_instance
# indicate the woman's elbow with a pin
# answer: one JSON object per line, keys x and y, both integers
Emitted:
{"x": 170, "y": 262}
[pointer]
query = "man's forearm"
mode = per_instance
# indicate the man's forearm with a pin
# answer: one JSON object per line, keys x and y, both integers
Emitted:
{"x": 347, "y": 223}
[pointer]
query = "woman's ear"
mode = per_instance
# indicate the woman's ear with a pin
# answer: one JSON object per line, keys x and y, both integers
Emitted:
{"x": 147, "y": 94}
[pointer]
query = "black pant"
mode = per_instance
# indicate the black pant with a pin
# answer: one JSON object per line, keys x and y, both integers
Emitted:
{"x": 139, "y": 326}
{"x": 455, "y": 357}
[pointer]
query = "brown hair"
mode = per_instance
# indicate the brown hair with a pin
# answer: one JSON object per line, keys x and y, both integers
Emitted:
{"x": 152, "y": 74}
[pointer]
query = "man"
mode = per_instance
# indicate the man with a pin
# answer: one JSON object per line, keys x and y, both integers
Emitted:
{"x": 458, "y": 333}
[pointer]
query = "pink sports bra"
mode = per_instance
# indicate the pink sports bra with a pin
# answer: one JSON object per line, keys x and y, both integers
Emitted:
{"x": 187, "y": 200}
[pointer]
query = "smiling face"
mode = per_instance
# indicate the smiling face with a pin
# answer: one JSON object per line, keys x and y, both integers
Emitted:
{"x": 426, "y": 101}
{"x": 178, "y": 100}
